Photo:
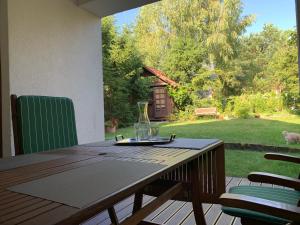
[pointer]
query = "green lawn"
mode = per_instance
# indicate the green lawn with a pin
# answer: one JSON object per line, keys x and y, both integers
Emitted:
{"x": 239, "y": 163}
{"x": 266, "y": 131}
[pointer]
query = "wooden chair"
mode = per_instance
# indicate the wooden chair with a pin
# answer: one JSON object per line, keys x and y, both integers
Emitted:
{"x": 42, "y": 123}
{"x": 257, "y": 205}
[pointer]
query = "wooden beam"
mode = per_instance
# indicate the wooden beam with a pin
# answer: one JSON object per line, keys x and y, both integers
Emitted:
{"x": 148, "y": 209}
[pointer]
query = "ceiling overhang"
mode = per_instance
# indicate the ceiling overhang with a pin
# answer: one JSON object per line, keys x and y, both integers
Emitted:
{"x": 103, "y": 8}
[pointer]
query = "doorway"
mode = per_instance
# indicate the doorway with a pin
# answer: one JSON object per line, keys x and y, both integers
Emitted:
{"x": 160, "y": 102}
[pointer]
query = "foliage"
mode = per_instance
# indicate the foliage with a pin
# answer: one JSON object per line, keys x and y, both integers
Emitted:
{"x": 242, "y": 107}
{"x": 108, "y": 123}
{"x": 188, "y": 114}
{"x": 192, "y": 40}
{"x": 242, "y": 111}
{"x": 201, "y": 44}
{"x": 269, "y": 61}
{"x": 181, "y": 96}
{"x": 122, "y": 67}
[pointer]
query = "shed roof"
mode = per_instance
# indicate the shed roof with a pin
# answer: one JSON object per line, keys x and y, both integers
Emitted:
{"x": 159, "y": 74}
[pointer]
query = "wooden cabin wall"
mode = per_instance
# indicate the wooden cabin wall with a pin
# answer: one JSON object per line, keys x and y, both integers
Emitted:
{"x": 160, "y": 114}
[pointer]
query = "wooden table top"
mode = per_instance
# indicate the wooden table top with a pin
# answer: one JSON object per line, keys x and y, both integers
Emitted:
{"x": 16, "y": 208}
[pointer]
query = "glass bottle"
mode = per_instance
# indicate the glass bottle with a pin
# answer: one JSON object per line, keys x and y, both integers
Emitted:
{"x": 143, "y": 129}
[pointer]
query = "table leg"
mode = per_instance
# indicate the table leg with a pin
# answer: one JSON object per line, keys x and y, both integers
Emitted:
{"x": 196, "y": 195}
{"x": 220, "y": 161}
{"x": 113, "y": 216}
{"x": 138, "y": 202}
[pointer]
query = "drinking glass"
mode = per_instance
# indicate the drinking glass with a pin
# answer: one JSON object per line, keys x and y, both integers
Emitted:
{"x": 154, "y": 131}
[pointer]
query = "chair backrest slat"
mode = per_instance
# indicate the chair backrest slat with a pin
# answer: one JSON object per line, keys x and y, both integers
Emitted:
{"x": 45, "y": 123}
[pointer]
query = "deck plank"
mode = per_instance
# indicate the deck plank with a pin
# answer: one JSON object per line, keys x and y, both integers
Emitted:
{"x": 237, "y": 221}
{"x": 181, "y": 214}
{"x": 158, "y": 211}
{"x": 167, "y": 213}
{"x": 225, "y": 219}
{"x": 190, "y": 220}
{"x": 177, "y": 212}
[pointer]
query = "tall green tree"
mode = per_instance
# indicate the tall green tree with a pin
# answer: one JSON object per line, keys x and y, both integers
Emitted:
{"x": 122, "y": 67}
{"x": 256, "y": 53}
{"x": 194, "y": 40}
{"x": 282, "y": 70}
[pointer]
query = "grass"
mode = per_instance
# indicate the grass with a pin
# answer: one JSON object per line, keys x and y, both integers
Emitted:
{"x": 239, "y": 163}
{"x": 265, "y": 131}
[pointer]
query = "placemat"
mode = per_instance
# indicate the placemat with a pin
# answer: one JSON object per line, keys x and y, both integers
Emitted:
{"x": 25, "y": 160}
{"x": 82, "y": 186}
{"x": 188, "y": 143}
{"x": 99, "y": 144}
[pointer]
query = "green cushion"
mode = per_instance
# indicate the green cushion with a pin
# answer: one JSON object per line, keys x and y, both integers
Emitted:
{"x": 275, "y": 194}
{"x": 45, "y": 123}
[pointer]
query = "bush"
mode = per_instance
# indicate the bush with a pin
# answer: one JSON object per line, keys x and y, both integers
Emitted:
{"x": 295, "y": 112}
{"x": 242, "y": 107}
{"x": 229, "y": 107}
{"x": 173, "y": 117}
{"x": 208, "y": 102}
{"x": 246, "y": 104}
{"x": 242, "y": 112}
{"x": 186, "y": 115}
{"x": 291, "y": 101}
{"x": 258, "y": 103}
{"x": 181, "y": 96}
{"x": 266, "y": 103}
{"x": 274, "y": 102}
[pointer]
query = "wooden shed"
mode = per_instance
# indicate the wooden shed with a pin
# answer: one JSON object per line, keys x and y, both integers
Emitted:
{"x": 161, "y": 104}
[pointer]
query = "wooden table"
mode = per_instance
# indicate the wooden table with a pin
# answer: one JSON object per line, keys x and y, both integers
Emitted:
{"x": 191, "y": 175}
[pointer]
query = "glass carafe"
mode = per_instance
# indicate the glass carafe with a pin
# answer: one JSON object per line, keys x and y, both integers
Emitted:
{"x": 143, "y": 126}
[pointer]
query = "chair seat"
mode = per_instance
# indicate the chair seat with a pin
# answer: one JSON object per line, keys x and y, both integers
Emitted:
{"x": 287, "y": 196}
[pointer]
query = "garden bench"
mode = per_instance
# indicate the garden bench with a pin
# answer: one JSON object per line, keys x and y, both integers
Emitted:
{"x": 210, "y": 111}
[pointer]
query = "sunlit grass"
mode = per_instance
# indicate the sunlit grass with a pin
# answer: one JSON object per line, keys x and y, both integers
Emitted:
{"x": 265, "y": 131}
{"x": 240, "y": 163}
{"x": 188, "y": 122}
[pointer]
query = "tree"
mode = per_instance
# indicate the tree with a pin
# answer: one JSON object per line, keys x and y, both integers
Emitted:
{"x": 283, "y": 69}
{"x": 122, "y": 67}
{"x": 256, "y": 53}
{"x": 188, "y": 39}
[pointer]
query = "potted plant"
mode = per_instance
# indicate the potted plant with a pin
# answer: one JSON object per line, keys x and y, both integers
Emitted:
{"x": 111, "y": 125}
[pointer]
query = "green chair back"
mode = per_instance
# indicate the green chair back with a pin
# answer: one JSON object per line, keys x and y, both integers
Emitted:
{"x": 45, "y": 123}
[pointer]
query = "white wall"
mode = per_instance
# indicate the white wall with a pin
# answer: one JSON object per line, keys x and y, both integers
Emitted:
{"x": 55, "y": 49}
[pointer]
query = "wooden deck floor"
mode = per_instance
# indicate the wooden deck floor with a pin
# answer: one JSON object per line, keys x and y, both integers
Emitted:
{"x": 176, "y": 212}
